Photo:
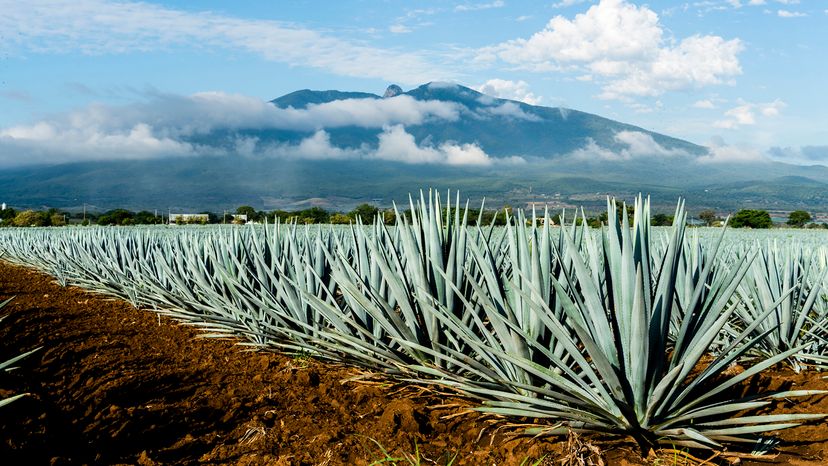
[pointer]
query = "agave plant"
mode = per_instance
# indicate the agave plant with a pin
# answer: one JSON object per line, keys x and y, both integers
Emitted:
{"x": 624, "y": 372}
{"x": 393, "y": 281}
{"x": 785, "y": 286}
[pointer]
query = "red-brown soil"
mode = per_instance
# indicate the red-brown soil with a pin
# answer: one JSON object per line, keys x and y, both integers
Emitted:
{"x": 117, "y": 385}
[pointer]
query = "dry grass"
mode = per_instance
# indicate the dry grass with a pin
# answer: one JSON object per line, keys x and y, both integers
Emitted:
{"x": 579, "y": 452}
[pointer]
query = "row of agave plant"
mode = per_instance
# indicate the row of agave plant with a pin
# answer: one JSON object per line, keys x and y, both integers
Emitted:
{"x": 625, "y": 330}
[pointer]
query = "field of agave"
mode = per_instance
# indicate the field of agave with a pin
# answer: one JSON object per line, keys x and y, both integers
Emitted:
{"x": 629, "y": 329}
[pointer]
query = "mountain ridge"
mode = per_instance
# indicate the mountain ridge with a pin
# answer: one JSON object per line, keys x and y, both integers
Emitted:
{"x": 523, "y": 130}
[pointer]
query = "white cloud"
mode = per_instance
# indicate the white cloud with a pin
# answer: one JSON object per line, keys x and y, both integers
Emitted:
{"x": 49, "y": 143}
{"x": 480, "y": 6}
{"x": 400, "y": 29}
{"x": 513, "y": 90}
{"x": 790, "y": 14}
{"x": 374, "y": 113}
{"x": 567, "y": 3}
{"x": 108, "y": 27}
{"x": 396, "y": 144}
{"x": 592, "y": 151}
{"x": 746, "y": 114}
{"x": 319, "y": 146}
{"x": 203, "y": 112}
{"x": 315, "y": 147}
{"x": 163, "y": 126}
{"x": 509, "y": 110}
{"x": 638, "y": 107}
{"x": 719, "y": 152}
{"x": 706, "y": 103}
{"x": 642, "y": 144}
{"x": 623, "y": 45}
{"x": 737, "y": 116}
{"x": 709, "y": 5}
{"x": 805, "y": 155}
{"x": 166, "y": 126}
{"x": 638, "y": 145}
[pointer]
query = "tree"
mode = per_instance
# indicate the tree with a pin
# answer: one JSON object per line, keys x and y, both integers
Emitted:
{"x": 313, "y": 215}
{"x": 246, "y": 210}
{"x": 7, "y": 216}
{"x": 146, "y": 217}
{"x": 212, "y": 217}
{"x": 751, "y": 218}
{"x": 601, "y": 219}
{"x": 594, "y": 222}
{"x": 499, "y": 216}
{"x": 57, "y": 220}
{"x": 798, "y": 218}
{"x": 116, "y": 217}
{"x": 389, "y": 217}
{"x": 283, "y": 215}
{"x": 708, "y": 216}
{"x": 366, "y": 212}
{"x": 661, "y": 220}
{"x": 340, "y": 219}
{"x": 563, "y": 219}
{"x": 29, "y": 218}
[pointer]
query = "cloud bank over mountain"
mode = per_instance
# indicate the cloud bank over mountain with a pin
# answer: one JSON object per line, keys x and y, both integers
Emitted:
{"x": 163, "y": 125}
{"x": 434, "y": 124}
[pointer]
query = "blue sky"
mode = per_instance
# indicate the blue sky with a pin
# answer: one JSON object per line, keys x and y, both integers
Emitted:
{"x": 744, "y": 74}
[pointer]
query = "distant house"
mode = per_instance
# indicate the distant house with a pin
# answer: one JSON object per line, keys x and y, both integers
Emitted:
{"x": 177, "y": 219}
{"x": 239, "y": 218}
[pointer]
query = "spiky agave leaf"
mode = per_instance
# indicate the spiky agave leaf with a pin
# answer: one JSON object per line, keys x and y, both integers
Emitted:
{"x": 394, "y": 280}
{"x": 626, "y": 374}
{"x": 787, "y": 281}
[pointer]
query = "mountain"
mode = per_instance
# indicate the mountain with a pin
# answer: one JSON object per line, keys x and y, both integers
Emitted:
{"x": 305, "y": 97}
{"x": 337, "y": 149}
{"x": 502, "y": 127}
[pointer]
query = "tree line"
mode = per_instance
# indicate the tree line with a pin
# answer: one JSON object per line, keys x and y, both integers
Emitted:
{"x": 745, "y": 218}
